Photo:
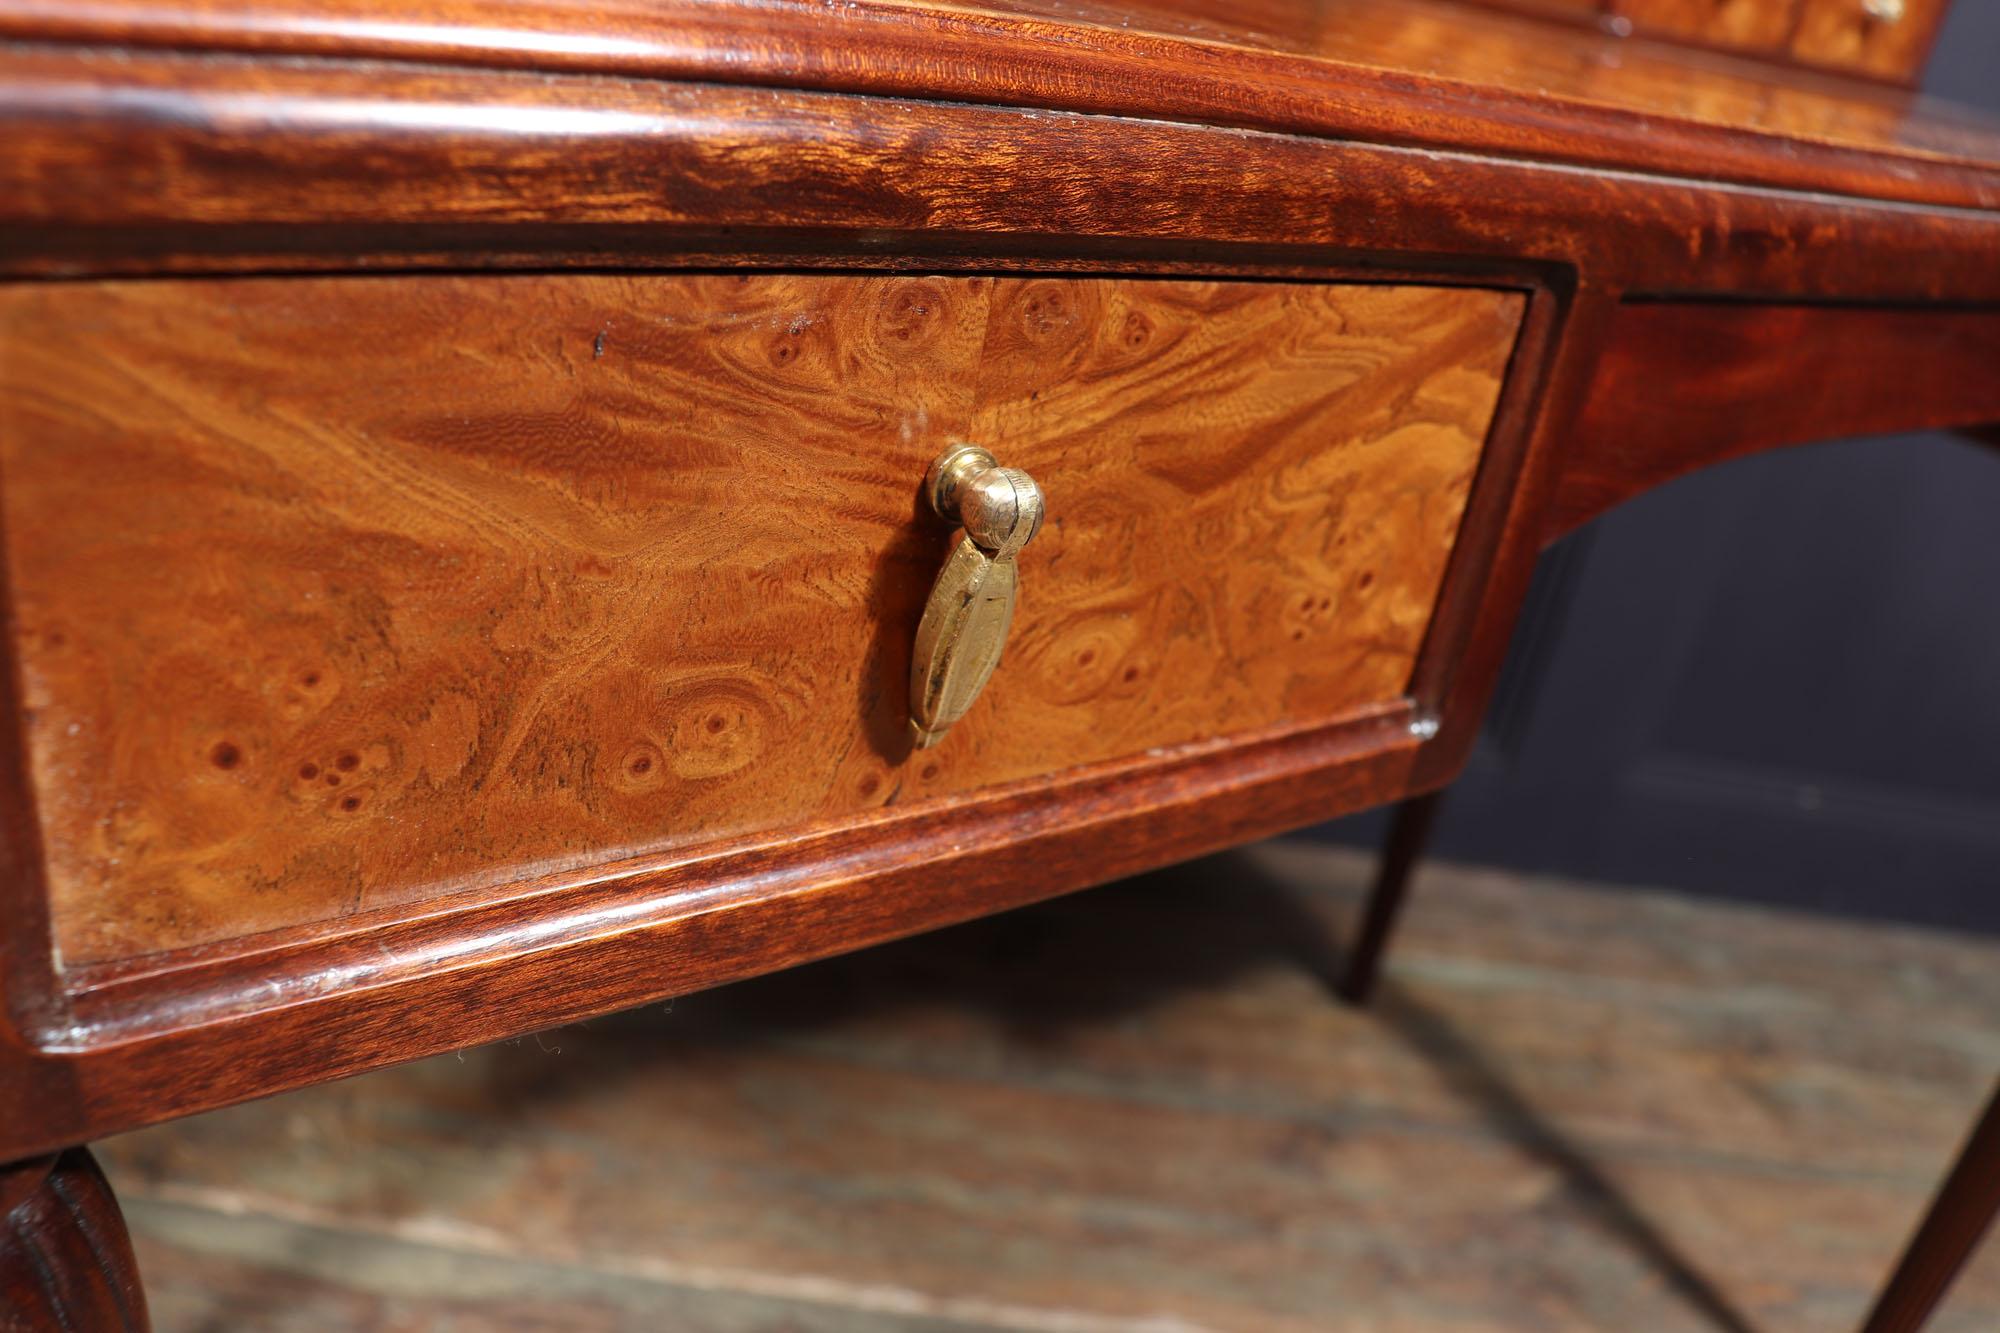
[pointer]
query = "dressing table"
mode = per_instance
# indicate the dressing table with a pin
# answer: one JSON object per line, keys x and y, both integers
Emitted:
{"x": 516, "y": 509}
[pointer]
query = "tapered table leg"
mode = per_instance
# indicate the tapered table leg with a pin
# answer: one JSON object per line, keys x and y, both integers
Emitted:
{"x": 65, "y": 1259}
{"x": 1409, "y": 833}
{"x": 1960, "y": 1214}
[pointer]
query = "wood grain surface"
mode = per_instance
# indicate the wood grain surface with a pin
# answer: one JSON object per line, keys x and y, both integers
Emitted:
{"x": 1756, "y": 26}
{"x": 1831, "y": 34}
{"x": 66, "y": 1262}
{"x": 142, "y": 1041}
{"x": 1390, "y": 142}
{"x": 1411, "y": 72}
{"x": 1683, "y": 384}
{"x": 1842, "y": 34}
{"x": 340, "y": 594}
{"x": 232, "y": 164}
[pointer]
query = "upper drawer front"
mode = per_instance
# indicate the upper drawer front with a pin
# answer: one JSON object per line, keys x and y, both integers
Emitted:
{"x": 333, "y": 594}
{"x": 1888, "y": 39}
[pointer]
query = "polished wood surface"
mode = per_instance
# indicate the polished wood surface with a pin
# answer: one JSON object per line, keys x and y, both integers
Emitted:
{"x": 1757, "y": 26}
{"x": 237, "y": 164}
{"x": 339, "y": 594}
{"x": 136, "y": 1044}
{"x": 66, "y": 1262}
{"x": 1842, "y": 35}
{"x": 1682, "y": 385}
{"x": 1555, "y": 179}
{"x": 1410, "y": 72}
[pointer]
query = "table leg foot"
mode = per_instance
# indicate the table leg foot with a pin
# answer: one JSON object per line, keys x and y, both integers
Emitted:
{"x": 65, "y": 1258}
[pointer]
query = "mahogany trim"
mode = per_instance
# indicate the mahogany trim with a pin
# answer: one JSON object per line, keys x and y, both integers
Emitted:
{"x": 32, "y": 994}
{"x": 368, "y": 165}
{"x": 65, "y": 1256}
{"x": 1479, "y": 555}
{"x": 971, "y": 55}
{"x": 1682, "y": 385}
{"x": 1565, "y": 380}
{"x": 151, "y": 1045}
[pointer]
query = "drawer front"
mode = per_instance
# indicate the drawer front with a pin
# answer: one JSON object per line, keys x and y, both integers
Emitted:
{"x": 1886, "y": 38}
{"x": 334, "y": 594}
{"x": 1751, "y": 25}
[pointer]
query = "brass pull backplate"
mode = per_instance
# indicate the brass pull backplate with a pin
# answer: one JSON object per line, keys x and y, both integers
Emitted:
{"x": 972, "y": 603}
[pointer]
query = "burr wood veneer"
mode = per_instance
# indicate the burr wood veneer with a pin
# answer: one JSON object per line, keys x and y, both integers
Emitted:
{"x": 335, "y": 594}
{"x": 1884, "y": 39}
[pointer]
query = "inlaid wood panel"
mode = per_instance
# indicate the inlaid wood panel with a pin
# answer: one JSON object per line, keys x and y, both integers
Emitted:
{"x": 344, "y": 593}
{"x": 1887, "y": 39}
{"x": 1750, "y": 25}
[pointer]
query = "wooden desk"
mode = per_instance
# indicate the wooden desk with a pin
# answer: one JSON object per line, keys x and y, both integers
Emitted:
{"x": 462, "y": 471}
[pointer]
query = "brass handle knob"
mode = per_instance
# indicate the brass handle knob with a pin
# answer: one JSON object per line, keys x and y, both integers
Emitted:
{"x": 972, "y": 604}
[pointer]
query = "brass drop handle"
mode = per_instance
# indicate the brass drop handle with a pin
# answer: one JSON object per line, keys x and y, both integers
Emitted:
{"x": 972, "y": 604}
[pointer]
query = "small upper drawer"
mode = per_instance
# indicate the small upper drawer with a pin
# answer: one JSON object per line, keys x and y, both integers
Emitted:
{"x": 1749, "y": 25}
{"x": 1889, "y": 39}
{"x": 1885, "y": 39}
{"x": 342, "y": 593}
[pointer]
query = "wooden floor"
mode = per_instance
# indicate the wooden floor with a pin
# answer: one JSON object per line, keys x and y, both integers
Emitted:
{"x": 1138, "y": 1110}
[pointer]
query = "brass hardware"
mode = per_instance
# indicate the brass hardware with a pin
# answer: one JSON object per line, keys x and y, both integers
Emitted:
{"x": 972, "y": 604}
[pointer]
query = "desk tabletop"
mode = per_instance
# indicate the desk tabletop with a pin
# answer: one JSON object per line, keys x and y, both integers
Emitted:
{"x": 1407, "y": 72}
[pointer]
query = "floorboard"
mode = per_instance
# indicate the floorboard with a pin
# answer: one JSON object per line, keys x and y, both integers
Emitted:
{"x": 1139, "y": 1110}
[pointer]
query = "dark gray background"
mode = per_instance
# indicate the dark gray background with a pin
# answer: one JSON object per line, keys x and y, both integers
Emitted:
{"x": 1776, "y": 680}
